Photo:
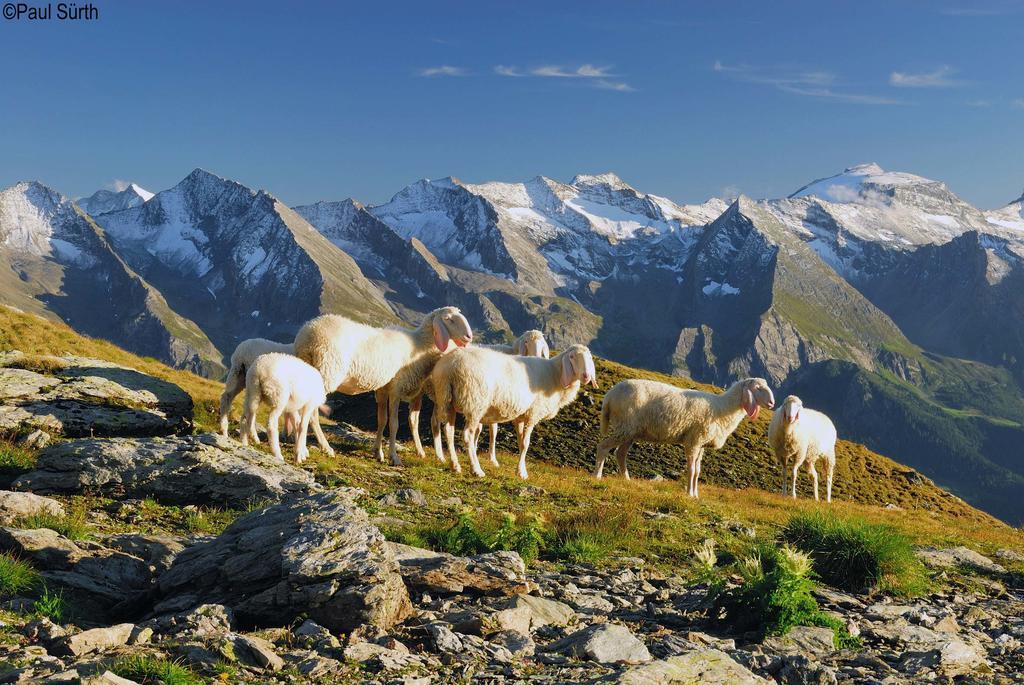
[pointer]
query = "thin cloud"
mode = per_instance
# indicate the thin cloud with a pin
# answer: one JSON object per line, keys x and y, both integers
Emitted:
{"x": 980, "y": 11}
{"x": 118, "y": 185}
{"x": 443, "y": 70}
{"x": 503, "y": 70}
{"x": 1018, "y": 103}
{"x": 807, "y": 83}
{"x": 979, "y": 103}
{"x": 939, "y": 78}
{"x": 614, "y": 85}
{"x": 582, "y": 71}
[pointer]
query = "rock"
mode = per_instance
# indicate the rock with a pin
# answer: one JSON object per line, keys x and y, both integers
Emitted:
{"x": 543, "y": 612}
{"x": 407, "y": 496}
{"x": 16, "y": 505}
{"x": 204, "y": 469}
{"x": 78, "y": 397}
{"x": 44, "y": 630}
{"x": 36, "y": 440}
{"x": 518, "y": 644}
{"x": 605, "y": 643}
{"x": 361, "y": 651}
{"x": 314, "y": 635}
{"x": 315, "y": 555}
{"x": 515, "y": 618}
{"x": 108, "y": 678}
{"x": 95, "y": 640}
{"x": 203, "y": 621}
{"x": 706, "y": 666}
{"x": 812, "y": 640}
{"x": 952, "y": 657}
{"x": 1010, "y": 555}
{"x": 316, "y": 667}
{"x": 957, "y": 556}
{"x": 497, "y": 573}
{"x": 444, "y": 639}
{"x": 156, "y": 550}
{"x": 252, "y": 651}
{"x": 100, "y": 579}
{"x": 799, "y": 670}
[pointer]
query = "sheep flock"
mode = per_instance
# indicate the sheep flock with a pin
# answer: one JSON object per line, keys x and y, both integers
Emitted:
{"x": 519, "y": 383}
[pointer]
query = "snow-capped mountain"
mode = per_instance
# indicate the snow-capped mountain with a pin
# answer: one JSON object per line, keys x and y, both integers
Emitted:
{"x": 1009, "y": 217}
{"x": 239, "y": 262}
{"x": 106, "y": 201}
{"x": 59, "y": 263}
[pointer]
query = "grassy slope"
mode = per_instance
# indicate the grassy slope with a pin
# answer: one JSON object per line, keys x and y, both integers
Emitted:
{"x": 648, "y": 518}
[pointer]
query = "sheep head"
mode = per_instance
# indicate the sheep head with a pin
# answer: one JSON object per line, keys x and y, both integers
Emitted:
{"x": 756, "y": 394}
{"x": 578, "y": 365}
{"x": 450, "y": 326}
{"x": 532, "y": 344}
{"x": 790, "y": 408}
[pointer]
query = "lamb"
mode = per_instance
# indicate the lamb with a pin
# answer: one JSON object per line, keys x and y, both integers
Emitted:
{"x": 395, "y": 363}
{"x": 491, "y": 387}
{"x": 241, "y": 359}
{"x": 529, "y": 344}
{"x": 658, "y": 412}
{"x": 801, "y": 435}
{"x": 286, "y": 384}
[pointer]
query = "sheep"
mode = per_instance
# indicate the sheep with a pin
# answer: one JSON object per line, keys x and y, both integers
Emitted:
{"x": 286, "y": 384}
{"x": 658, "y": 412}
{"x": 243, "y": 357}
{"x": 529, "y": 344}
{"x": 803, "y": 435}
{"x": 489, "y": 386}
{"x": 395, "y": 363}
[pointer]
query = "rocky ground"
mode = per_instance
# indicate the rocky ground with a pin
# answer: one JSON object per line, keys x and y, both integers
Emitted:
{"x": 305, "y": 588}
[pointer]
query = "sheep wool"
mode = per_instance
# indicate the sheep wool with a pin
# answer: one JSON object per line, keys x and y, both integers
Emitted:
{"x": 799, "y": 435}
{"x": 241, "y": 359}
{"x": 657, "y": 412}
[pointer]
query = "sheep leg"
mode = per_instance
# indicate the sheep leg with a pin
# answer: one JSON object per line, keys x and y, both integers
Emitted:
{"x": 414, "y": 425}
{"x": 435, "y": 433}
{"x": 234, "y": 385}
{"x": 382, "y": 420}
{"x": 321, "y": 439}
{"x": 603, "y": 448}
{"x": 393, "y": 403}
{"x": 272, "y": 435}
{"x": 782, "y": 463}
{"x": 798, "y": 462}
{"x": 830, "y": 467}
{"x": 301, "y": 449}
{"x": 692, "y": 454}
{"x": 620, "y": 454}
{"x": 524, "y": 445}
{"x": 472, "y": 433}
{"x": 814, "y": 475}
{"x": 248, "y": 427}
{"x": 494, "y": 444}
{"x": 449, "y": 433}
{"x": 696, "y": 480}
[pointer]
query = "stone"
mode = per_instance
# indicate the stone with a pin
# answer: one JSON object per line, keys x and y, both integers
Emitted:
{"x": 17, "y": 505}
{"x": 156, "y": 550}
{"x": 812, "y": 640}
{"x": 254, "y": 651}
{"x": 497, "y": 573}
{"x": 314, "y": 635}
{"x": 44, "y": 630}
{"x": 95, "y": 640}
{"x": 705, "y": 666}
{"x": 1010, "y": 555}
{"x": 206, "y": 469}
{"x": 800, "y": 670}
{"x": 444, "y": 639}
{"x": 518, "y": 644}
{"x": 36, "y": 440}
{"x": 102, "y": 580}
{"x": 605, "y": 643}
{"x": 78, "y": 397}
{"x": 957, "y": 556}
{"x": 315, "y": 667}
{"x": 543, "y": 611}
{"x": 315, "y": 555}
{"x": 953, "y": 657}
{"x": 108, "y": 678}
{"x": 516, "y": 618}
{"x": 206, "y": 620}
{"x": 408, "y": 496}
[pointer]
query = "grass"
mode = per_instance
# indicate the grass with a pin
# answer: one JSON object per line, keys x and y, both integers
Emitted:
{"x": 467, "y": 536}
{"x": 16, "y": 576}
{"x": 51, "y": 605}
{"x": 857, "y": 556}
{"x": 41, "y": 363}
{"x": 14, "y": 461}
{"x": 73, "y": 525}
{"x": 151, "y": 670}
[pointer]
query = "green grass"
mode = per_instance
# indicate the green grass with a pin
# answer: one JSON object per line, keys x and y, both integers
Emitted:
{"x": 468, "y": 536}
{"x": 73, "y": 525}
{"x": 51, "y": 605}
{"x": 151, "y": 670}
{"x": 16, "y": 576}
{"x": 854, "y": 555}
{"x": 775, "y": 596}
{"x": 14, "y": 461}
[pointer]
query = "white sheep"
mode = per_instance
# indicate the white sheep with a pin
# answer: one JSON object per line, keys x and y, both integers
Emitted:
{"x": 241, "y": 359}
{"x": 799, "y": 435}
{"x": 395, "y": 363}
{"x": 491, "y": 387}
{"x": 658, "y": 412}
{"x": 286, "y": 384}
{"x": 529, "y": 344}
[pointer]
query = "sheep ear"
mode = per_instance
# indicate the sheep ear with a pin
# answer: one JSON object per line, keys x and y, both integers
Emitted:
{"x": 544, "y": 350}
{"x": 441, "y": 336}
{"x": 568, "y": 375}
{"x": 518, "y": 347}
{"x": 591, "y": 371}
{"x": 749, "y": 405}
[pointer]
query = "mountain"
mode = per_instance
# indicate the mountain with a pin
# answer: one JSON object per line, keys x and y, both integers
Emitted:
{"x": 1010, "y": 217}
{"x": 59, "y": 263}
{"x": 238, "y": 262}
{"x": 106, "y": 201}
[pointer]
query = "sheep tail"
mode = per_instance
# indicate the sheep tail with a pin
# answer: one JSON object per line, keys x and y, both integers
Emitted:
{"x": 605, "y": 410}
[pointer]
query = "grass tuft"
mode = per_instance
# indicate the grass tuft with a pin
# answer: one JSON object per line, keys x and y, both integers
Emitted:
{"x": 854, "y": 555}
{"x": 151, "y": 670}
{"x": 51, "y": 605}
{"x": 72, "y": 525}
{"x": 16, "y": 576}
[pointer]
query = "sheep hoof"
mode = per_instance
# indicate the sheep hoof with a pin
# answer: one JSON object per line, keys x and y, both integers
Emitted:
{"x": 301, "y": 457}
{"x": 479, "y": 473}
{"x": 328, "y": 451}
{"x": 396, "y": 460}
{"x": 494, "y": 460}
{"x": 524, "y": 475}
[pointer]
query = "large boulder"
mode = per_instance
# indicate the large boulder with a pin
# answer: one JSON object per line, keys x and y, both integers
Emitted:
{"x": 496, "y": 573}
{"x": 77, "y": 396}
{"x": 605, "y": 643}
{"x": 315, "y": 555}
{"x": 18, "y": 505}
{"x": 708, "y": 666}
{"x": 193, "y": 469}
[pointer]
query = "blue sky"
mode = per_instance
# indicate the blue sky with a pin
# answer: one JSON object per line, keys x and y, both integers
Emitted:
{"x": 323, "y": 101}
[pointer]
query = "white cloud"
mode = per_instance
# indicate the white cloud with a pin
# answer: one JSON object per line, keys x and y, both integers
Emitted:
{"x": 1018, "y": 103}
{"x": 808, "y": 83}
{"x": 582, "y": 71}
{"x": 444, "y": 70}
{"x": 938, "y": 78}
{"x": 841, "y": 193}
{"x": 118, "y": 185}
{"x": 614, "y": 85}
{"x": 979, "y": 103}
{"x": 597, "y": 77}
{"x": 730, "y": 192}
{"x": 503, "y": 70}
